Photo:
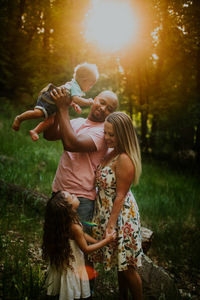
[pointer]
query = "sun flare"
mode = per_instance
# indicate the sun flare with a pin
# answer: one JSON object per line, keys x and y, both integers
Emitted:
{"x": 111, "y": 24}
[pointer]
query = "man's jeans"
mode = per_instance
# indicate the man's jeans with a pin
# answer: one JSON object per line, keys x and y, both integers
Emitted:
{"x": 85, "y": 212}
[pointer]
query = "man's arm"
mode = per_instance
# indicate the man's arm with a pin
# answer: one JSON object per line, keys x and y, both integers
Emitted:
{"x": 52, "y": 133}
{"x": 71, "y": 141}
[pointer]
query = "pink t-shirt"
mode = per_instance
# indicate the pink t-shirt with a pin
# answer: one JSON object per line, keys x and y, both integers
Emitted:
{"x": 76, "y": 170}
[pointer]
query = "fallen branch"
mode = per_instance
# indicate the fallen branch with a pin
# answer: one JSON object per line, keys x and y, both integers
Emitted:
{"x": 38, "y": 201}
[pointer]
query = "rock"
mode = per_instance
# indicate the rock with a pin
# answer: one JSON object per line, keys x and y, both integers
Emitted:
{"x": 157, "y": 284}
{"x": 147, "y": 236}
{"x": 185, "y": 157}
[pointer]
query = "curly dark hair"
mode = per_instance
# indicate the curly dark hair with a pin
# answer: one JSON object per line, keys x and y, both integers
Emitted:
{"x": 59, "y": 216}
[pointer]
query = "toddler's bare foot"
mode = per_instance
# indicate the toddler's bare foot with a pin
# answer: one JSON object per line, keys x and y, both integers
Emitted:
{"x": 34, "y": 135}
{"x": 16, "y": 124}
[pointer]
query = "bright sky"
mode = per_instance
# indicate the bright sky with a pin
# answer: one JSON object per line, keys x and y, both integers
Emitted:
{"x": 111, "y": 24}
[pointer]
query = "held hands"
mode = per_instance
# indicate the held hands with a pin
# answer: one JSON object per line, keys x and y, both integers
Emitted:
{"x": 111, "y": 236}
{"x": 61, "y": 97}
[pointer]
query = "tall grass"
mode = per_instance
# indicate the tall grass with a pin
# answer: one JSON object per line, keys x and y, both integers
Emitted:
{"x": 168, "y": 199}
{"x": 169, "y": 202}
{"x": 24, "y": 162}
{"x": 22, "y": 269}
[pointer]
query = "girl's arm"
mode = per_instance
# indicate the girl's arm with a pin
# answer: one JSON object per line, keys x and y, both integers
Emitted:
{"x": 124, "y": 177}
{"x": 89, "y": 238}
{"x": 79, "y": 237}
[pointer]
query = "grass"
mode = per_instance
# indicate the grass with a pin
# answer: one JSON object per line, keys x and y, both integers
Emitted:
{"x": 23, "y": 162}
{"x": 168, "y": 199}
{"x": 169, "y": 204}
{"x": 22, "y": 269}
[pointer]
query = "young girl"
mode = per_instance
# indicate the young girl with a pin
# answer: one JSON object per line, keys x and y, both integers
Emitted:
{"x": 63, "y": 245}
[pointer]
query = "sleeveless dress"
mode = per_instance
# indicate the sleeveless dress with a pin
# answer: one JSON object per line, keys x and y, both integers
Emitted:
{"x": 72, "y": 283}
{"x": 127, "y": 250}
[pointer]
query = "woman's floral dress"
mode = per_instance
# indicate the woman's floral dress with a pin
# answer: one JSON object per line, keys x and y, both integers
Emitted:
{"x": 127, "y": 250}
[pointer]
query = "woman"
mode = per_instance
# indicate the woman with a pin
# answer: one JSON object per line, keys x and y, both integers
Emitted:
{"x": 116, "y": 208}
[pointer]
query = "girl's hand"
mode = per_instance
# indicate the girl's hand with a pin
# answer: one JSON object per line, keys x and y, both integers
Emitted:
{"x": 109, "y": 229}
{"x": 111, "y": 236}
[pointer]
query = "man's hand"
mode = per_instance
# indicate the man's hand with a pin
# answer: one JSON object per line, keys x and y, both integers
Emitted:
{"x": 61, "y": 97}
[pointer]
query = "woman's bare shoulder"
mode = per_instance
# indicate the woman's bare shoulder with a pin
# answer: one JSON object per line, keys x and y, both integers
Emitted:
{"x": 124, "y": 158}
{"x": 124, "y": 162}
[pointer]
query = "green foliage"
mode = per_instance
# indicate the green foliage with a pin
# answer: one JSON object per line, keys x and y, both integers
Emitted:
{"x": 169, "y": 204}
{"x": 24, "y": 162}
{"x": 106, "y": 284}
{"x": 21, "y": 265}
{"x": 157, "y": 78}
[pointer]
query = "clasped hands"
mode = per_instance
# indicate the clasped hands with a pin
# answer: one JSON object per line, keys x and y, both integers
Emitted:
{"x": 110, "y": 233}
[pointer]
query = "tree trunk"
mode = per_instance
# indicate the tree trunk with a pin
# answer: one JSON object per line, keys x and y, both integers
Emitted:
{"x": 143, "y": 112}
{"x": 31, "y": 198}
{"x": 46, "y": 18}
{"x": 21, "y": 12}
{"x": 38, "y": 201}
{"x": 154, "y": 127}
{"x": 197, "y": 143}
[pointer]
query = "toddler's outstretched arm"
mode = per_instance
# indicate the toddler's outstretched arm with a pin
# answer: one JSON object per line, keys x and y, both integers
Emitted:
{"x": 82, "y": 101}
{"x": 79, "y": 101}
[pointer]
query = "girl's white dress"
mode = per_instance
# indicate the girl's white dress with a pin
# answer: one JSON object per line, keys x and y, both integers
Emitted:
{"x": 72, "y": 283}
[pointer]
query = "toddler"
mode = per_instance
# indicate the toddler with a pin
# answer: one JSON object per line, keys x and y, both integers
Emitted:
{"x": 85, "y": 76}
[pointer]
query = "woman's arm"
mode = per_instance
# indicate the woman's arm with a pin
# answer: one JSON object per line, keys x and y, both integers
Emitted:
{"x": 124, "y": 170}
{"x": 79, "y": 237}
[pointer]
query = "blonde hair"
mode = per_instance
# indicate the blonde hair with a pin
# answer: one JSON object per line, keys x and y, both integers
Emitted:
{"x": 127, "y": 141}
{"x": 86, "y": 71}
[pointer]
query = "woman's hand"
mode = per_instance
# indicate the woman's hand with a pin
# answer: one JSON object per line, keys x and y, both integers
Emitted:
{"x": 61, "y": 97}
{"x": 110, "y": 227}
{"x": 111, "y": 236}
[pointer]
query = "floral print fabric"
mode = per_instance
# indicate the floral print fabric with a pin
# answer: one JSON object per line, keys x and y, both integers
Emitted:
{"x": 127, "y": 250}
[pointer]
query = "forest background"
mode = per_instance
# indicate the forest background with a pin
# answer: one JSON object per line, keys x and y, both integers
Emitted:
{"x": 157, "y": 79}
{"x": 157, "y": 76}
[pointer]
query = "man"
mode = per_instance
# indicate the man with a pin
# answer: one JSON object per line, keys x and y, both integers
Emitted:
{"x": 84, "y": 147}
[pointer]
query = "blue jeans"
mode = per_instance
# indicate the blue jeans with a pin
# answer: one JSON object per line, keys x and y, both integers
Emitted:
{"x": 85, "y": 212}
